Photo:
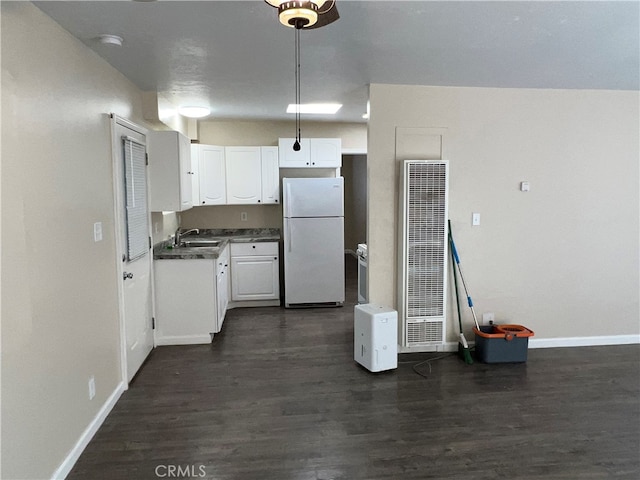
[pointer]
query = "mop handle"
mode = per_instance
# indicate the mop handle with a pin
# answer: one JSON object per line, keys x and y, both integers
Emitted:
{"x": 457, "y": 258}
{"x": 453, "y": 248}
{"x": 464, "y": 284}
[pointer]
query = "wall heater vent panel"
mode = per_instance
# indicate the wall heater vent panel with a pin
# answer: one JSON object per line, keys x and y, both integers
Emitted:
{"x": 425, "y": 332}
{"x": 423, "y": 252}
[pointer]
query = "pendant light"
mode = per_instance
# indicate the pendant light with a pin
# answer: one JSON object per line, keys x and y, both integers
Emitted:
{"x": 296, "y": 144}
{"x": 303, "y": 14}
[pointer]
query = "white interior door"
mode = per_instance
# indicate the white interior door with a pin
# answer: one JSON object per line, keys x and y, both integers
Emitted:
{"x": 134, "y": 272}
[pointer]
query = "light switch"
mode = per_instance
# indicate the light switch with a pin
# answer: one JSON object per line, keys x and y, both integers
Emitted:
{"x": 524, "y": 186}
{"x": 475, "y": 219}
{"x": 97, "y": 232}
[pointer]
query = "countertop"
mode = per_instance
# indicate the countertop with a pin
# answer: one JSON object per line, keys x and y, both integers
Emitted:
{"x": 166, "y": 251}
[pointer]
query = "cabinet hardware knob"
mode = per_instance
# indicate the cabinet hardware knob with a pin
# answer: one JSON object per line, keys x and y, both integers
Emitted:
{"x": 258, "y": 201}
{"x": 126, "y": 275}
{"x": 253, "y": 246}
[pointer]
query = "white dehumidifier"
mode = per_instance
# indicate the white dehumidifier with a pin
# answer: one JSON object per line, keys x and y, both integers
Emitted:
{"x": 375, "y": 344}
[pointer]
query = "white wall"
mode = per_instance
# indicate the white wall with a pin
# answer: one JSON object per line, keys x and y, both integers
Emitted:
{"x": 59, "y": 290}
{"x": 561, "y": 259}
{"x": 248, "y": 133}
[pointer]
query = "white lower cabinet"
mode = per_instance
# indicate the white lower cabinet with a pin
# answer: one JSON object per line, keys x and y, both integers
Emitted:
{"x": 222, "y": 287}
{"x": 191, "y": 299}
{"x": 193, "y": 295}
{"x": 255, "y": 271}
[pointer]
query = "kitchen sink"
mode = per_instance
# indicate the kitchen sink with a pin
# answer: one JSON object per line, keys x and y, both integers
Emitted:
{"x": 200, "y": 243}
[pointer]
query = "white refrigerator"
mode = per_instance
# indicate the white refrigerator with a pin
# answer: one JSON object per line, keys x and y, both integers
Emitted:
{"x": 313, "y": 224}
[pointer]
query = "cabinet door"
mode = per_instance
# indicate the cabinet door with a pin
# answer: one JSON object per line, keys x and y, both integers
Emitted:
{"x": 185, "y": 301}
{"x": 289, "y": 158}
{"x": 326, "y": 152}
{"x": 255, "y": 278}
{"x": 195, "y": 179}
{"x": 270, "y": 175}
{"x": 169, "y": 181}
{"x": 222, "y": 294}
{"x": 244, "y": 175}
{"x": 184, "y": 153}
{"x": 212, "y": 175}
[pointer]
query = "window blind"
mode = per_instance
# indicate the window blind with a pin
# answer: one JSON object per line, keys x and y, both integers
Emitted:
{"x": 136, "y": 198}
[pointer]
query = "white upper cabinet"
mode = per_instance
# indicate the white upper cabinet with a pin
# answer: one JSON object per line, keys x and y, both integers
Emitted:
{"x": 289, "y": 158}
{"x": 313, "y": 153}
{"x": 195, "y": 178}
{"x": 270, "y": 175}
{"x": 326, "y": 152}
{"x": 211, "y": 173}
{"x": 244, "y": 175}
{"x": 170, "y": 172}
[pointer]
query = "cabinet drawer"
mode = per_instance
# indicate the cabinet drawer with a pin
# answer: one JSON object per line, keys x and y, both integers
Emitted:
{"x": 257, "y": 248}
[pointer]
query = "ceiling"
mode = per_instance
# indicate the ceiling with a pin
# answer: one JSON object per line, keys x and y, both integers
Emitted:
{"x": 237, "y": 58}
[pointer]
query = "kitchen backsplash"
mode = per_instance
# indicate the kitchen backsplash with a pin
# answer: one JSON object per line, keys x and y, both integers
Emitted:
{"x": 231, "y": 216}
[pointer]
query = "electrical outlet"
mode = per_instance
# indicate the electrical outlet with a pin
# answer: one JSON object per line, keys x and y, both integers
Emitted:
{"x": 92, "y": 387}
{"x": 488, "y": 318}
{"x": 475, "y": 219}
{"x": 243, "y": 216}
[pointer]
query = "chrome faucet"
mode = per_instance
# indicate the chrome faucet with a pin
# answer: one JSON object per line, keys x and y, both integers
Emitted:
{"x": 179, "y": 235}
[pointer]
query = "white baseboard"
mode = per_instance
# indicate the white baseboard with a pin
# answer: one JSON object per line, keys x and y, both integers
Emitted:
{"x": 253, "y": 303}
{"x": 538, "y": 343}
{"x": 583, "y": 341}
{"x": 65, "y": 467}
{"x": 183, "y": 340}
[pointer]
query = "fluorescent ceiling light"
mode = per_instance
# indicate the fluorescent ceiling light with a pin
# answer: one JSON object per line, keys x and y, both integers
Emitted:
{"x": 318, "y": 108}
{"x": 194, "y": 112}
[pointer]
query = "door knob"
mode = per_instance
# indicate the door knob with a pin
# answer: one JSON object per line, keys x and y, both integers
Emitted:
{"x": 126, "y": 275}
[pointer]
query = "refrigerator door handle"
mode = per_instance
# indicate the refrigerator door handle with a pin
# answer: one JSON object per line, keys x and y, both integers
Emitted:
{"x": 289, "y": 234}
{"x": 287, "y": 199}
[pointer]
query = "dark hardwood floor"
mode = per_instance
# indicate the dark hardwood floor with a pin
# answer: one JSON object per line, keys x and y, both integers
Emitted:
{"x": 277, "y": 396}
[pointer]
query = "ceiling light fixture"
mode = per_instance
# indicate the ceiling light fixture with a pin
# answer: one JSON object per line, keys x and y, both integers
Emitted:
{"x": 194, "y": 112}
{"x": 303, "y": 14}
{"x": 315, "y": 108}
{"x": 110, "y": 40}
{"x": 307, "y": 13}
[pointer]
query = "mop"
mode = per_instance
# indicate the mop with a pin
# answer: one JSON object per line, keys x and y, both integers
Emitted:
{"x": 463, "y": 346}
